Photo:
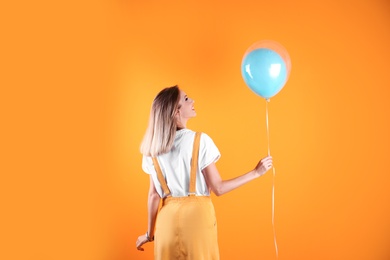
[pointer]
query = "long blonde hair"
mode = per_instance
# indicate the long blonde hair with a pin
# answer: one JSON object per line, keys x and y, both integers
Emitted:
{"x": 161, "y": 130}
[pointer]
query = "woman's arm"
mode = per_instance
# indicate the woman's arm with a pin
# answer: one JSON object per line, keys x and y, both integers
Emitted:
{"x": 153, "y": 203}
{"x": 220, "y": 187}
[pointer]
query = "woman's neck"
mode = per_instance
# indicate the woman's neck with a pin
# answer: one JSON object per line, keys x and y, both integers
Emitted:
{"x": 181, "y": 125}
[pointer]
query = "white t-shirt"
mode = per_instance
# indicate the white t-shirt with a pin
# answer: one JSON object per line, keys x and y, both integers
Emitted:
{"x": 176, "y": 164}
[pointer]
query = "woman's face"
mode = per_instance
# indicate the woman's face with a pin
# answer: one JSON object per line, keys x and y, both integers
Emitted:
{"x": 186, "y": 105}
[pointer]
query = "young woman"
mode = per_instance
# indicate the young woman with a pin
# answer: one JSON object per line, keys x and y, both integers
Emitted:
{"x": 181, "y": 165}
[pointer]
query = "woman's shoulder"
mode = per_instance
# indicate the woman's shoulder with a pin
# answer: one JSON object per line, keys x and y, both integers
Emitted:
{"x": 189, "y": 133}
{"x": 186, "y": 136}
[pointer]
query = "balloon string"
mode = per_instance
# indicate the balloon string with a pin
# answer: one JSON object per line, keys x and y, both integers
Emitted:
{"x": 266, "y": 119}
{"x": 273, "y": 182}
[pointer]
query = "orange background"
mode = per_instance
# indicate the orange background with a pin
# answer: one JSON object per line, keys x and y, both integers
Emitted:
{"x": 77, "y": 81}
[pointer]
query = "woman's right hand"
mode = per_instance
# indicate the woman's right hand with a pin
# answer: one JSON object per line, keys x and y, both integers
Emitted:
{"x": 263, "y": 166}
{"x": 141, "y": 241}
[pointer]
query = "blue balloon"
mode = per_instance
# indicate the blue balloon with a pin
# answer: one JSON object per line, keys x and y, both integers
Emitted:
{"x": 264, "y": 71}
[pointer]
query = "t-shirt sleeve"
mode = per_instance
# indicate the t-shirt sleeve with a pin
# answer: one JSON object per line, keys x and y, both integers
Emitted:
{"x": 208, "y": 151}
{"x": 147, "y": 164}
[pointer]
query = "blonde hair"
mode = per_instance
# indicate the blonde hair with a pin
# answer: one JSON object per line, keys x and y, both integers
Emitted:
{"x": 161, "y": 130}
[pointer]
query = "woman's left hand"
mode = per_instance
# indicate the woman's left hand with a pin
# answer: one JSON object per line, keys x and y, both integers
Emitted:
{"x": 264, "y": 165}
{"x": 140, "y": 241}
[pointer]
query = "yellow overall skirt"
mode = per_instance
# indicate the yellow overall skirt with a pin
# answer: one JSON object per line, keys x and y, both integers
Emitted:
{"x": 186, "y": 227}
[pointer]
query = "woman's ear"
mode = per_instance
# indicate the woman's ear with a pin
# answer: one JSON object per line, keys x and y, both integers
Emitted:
{"x": 177, "y": 114}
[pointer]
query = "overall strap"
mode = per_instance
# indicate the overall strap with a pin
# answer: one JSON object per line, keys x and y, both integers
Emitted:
{"x": 160, "y": 177}
{"x": 194, "y": 164}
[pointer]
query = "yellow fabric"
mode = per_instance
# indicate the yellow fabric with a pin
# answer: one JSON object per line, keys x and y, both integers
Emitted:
{"x": 160, "y": 177}
{"x": 194, "y": 163}
{"x": 186, "y": 229}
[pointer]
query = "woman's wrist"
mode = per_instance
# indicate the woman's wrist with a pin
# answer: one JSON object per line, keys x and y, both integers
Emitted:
{"x": 150, "y": 239}
{"x": 257, "y": 173}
